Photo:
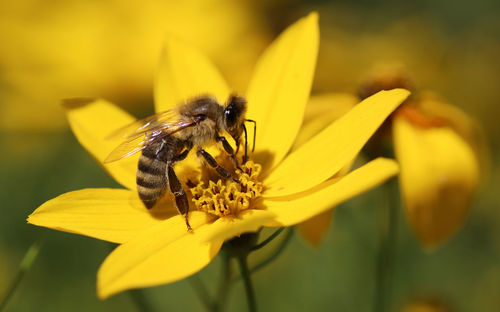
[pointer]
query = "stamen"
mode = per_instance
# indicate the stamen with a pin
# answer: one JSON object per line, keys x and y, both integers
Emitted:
{"x": 226, "y": 197}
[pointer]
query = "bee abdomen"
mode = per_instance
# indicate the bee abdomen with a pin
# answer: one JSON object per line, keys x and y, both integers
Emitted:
{"x": 151, "y": 180}
{"x": 151, "y": 165}
{"x": 150, "y": 198}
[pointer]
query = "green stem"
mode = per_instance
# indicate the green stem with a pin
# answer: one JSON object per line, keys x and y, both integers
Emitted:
{"x": 275, "y": 254}
{"x": 224, "y": 283}
{"x": 139, "y": 299}
{"x": 272, "y": 257}
{"x": 386, "y": 256}
{"x": 245, "y": 274}
{"x": 267, "y": 240}
{"x": 202, "y": 292}
{"x": 25, "y": 265}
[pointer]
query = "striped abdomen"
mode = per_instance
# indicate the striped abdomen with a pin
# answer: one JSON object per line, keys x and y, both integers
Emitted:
{"x": 151, "y": 177}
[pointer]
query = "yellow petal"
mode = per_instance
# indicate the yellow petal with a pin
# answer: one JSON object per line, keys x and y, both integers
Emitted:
{"x": 314, "y": 229}
{"x": 330, "y": 150}
{"x": 109, "y": 214}
{"x": 161, "y": 254}
{"x": 184, "y": 73}
{"x": 464, "y": 125}
{"x": 439, "y": 175}
{"x": 94, "y": 120}
{"x": 297, "y": 208}
{"x": 247, "y": 221}
{"x": 280, "y": 87}
{"x": 321, "y": 111}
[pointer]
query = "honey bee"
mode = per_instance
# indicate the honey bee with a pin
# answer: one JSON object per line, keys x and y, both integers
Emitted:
{"x": 168, "y": 137}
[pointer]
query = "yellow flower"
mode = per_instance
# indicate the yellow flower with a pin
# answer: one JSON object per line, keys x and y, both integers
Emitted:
{"x": 155, "y": 247}
{"x": 439, "y": 168}
{"x": 439, "y": 149}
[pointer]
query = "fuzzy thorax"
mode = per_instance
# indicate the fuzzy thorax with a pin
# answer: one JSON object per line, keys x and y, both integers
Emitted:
{"x": 227, "y": 197}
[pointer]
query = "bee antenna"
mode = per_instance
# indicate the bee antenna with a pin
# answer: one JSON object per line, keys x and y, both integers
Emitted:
{"x": 254, "y": 132}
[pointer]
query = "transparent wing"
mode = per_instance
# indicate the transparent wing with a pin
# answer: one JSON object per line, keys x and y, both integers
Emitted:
{"x": 131, "y": 146}
{"x": 143, "y": 136}
{"x": 148, "y": 124}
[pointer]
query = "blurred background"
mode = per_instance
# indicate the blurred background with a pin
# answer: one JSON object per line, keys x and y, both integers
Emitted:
{"x": 50, "y": 50}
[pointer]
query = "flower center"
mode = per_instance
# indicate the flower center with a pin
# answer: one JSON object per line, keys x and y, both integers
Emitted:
{"x": 226, "y": 197}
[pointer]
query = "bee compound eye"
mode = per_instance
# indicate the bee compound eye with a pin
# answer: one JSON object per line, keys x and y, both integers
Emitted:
{"x": 230, "y": 117}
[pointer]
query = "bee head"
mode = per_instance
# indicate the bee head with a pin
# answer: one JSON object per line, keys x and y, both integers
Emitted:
{"x": 234, "y": 115}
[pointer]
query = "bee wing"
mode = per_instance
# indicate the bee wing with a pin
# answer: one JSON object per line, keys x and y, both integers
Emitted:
{"x": 144, "y": 125}
{"x": 131, "y": 146}
{"x": 154, "y": 132}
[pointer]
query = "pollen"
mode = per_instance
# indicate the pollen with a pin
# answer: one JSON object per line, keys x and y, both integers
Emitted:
{"x": 226, "y": 197}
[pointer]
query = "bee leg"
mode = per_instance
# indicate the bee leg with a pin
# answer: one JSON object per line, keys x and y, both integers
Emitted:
{"x": 184, "y": 153}
{"x": 214, "y": 164}
{"x": 181, "y": 200}
{"x": 229, "y": 149}
{"x": 181, "y": 156}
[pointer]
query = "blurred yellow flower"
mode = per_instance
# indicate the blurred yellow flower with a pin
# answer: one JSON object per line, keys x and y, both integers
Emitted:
{"x": 439, "y": 148}
{"x": 439, "y": 172}
{"x": 54, "y": 50}
{"x": 155, "y": 247}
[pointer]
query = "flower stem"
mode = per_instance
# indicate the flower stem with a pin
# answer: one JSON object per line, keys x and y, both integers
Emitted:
{"x": 386, "y": 256}
{"x": 267, "y": 240}
{"x": 275, "y": 254}
{"x": 245, "y": 274}
{"x": 25, "y": 265}
{"x": 224, "y": 283}
{"x": 139, "y": 299}
{"x": 202, "y": 292}
{"x": 272, "y": 257}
